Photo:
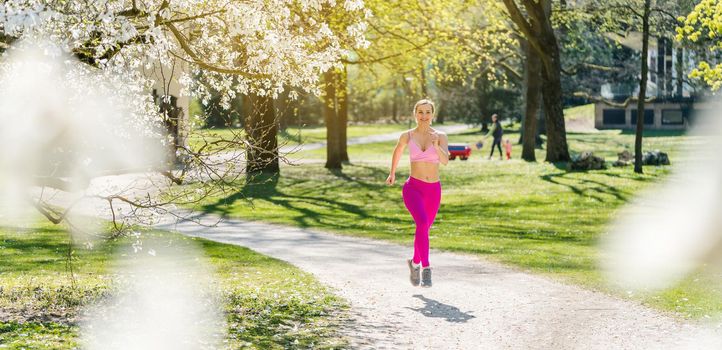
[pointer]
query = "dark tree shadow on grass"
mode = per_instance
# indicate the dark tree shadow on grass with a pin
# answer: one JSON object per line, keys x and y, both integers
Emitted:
{"x": 508, "y": 229}
{"x": 522, "y": 223}
{"x": 34, "y": 250}
{"x": 581, "y": 187}
{"x": 373, "y": 173}
{"x": 266, "y": 188}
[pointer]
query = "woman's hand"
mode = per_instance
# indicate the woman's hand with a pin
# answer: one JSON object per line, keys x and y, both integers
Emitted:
{"x": 391, "y": 179}
{"x": 434, "y": 138}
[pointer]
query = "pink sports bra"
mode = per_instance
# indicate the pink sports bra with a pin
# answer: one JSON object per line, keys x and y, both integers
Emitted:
{"x": 417, "y": 155}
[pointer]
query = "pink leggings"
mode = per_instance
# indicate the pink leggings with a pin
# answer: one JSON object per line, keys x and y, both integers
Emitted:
{"x": 422, "y": 199}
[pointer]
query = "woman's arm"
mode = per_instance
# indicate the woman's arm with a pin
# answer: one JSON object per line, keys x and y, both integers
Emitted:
{"x": 442, "y": 148}
{"x": 491, "y": 131}
{"x": 398, "y": 151}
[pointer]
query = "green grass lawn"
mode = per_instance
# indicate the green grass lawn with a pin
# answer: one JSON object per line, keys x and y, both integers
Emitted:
{"x": 268, "y": 303}
{"x": 536, "y": 216}
{"x": 606, "y": 143}
{"x": 584, "y": 112}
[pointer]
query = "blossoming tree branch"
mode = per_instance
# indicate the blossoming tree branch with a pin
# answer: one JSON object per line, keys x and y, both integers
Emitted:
{"x": 256, "y": 47}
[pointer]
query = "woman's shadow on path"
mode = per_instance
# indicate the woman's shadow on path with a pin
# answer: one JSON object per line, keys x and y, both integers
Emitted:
{"x": 433, "y": 308}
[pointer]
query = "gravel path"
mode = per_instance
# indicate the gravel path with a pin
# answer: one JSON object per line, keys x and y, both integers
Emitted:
{"x": 473, "y": 304}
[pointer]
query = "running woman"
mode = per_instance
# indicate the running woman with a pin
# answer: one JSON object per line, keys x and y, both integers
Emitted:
{"x": 422, "y": 191}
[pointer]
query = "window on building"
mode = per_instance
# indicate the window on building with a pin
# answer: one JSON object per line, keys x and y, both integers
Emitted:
{"x": 648, "y": 117}
{"x": 613, "y": 116}
{"x": 672, "y": 117}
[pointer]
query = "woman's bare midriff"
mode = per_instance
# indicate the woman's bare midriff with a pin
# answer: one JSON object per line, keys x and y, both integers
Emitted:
{"x": 425, "y": 171}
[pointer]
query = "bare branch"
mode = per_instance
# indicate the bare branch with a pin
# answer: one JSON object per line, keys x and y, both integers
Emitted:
{"x": 384, "y": 58}
{"x": 396, "y": 35}
{"x": 184, "y": 19}
{"x": 509, "y": 69}
{"x": 672, "y": 16}
{"x": 625, "y": 104}
{"x": 575, "y": 69}
{"x": 195, "y": 59}
{"x": 46, "y": 212}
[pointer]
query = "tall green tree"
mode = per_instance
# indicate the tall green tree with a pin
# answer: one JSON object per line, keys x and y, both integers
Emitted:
{"x": 648, "y": 18}
{"x": 413, "y": 44}
{"x": 662, "y": 15}
{"x": 642, "y": 88}
{"x": 536, "y": 27}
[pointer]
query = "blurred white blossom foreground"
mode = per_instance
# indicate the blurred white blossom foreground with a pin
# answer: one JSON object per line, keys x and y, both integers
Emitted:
{"x": 165, "y": 300}
{"x": 673, "y": 228}
{"x": 65, "y": 123}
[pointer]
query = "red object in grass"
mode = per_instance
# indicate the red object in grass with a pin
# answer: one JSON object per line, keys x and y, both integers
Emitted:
{"x": 462, "y": 151}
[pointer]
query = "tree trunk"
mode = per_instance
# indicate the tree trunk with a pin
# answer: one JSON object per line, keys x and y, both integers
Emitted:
{"x": 395, "y": 104}
{"x": 439, "y": 117}
{"x": 532, "y": 79}
{"x": 330, "y": 117}
{"x": 642, "y": 90}
{"x": 176, "y": 122}
{"x": 541, "y": 126}
{"x": 245, "y": 111}
{"x": 261, "y": 130}
{"x": 342, "y": 98}
{"x": 422, "y": 81}
{"x": 557, "y": 148}
{"x": 284, "y": 108}
{"x": 484, "y": 117}
{"x": 540, "y": 34}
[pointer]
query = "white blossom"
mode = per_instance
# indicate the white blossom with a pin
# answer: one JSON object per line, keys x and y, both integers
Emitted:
{"x": 238, "y": 45}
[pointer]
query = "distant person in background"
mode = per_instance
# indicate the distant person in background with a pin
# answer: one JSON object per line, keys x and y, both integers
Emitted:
{"x": 507, "y": 148}
{"x": 496, "y": 132}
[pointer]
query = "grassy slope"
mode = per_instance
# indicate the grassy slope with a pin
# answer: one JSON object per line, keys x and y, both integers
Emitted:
{"x": 268, "y": 303}
{"x": 584, "y": 112}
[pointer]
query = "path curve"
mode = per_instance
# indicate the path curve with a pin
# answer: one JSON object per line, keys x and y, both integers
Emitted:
{"x": 474, "y": 304}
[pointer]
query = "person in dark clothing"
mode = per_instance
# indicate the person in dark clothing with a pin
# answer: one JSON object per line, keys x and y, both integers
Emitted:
{"x": 496, "y": 132}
